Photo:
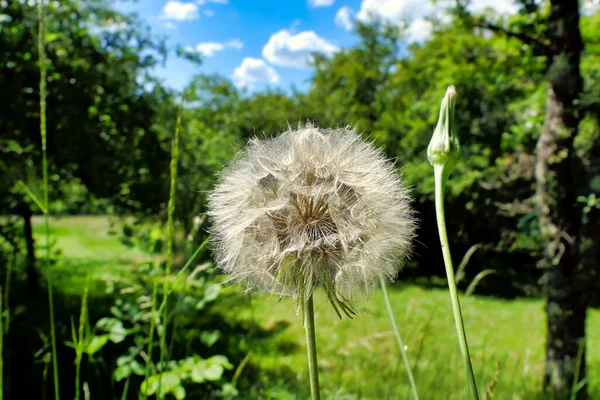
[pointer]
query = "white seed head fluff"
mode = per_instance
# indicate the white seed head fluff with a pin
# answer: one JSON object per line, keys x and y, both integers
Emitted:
{"x": 310, "y": 208}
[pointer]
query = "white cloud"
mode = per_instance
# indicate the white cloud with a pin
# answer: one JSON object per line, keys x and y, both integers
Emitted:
{"x": 179, "y": 11}
{"x": 235, "y": 44}
{"x": 418, "y": 30}
{"x": 498, "y": 6}
{"x": 209, "y": 13}
{"x": 394, "y": 10}
{"x": 411, "y": 13}
{"x": 254, "y": 70}
{"x": 320, "y": 3}
{"x": 290, "y": 50}
{"x": 344, "y": 18}
{"x": 590, "y": 7}
{"x": 114, "y": 26}
{"x": 209, "y": 49}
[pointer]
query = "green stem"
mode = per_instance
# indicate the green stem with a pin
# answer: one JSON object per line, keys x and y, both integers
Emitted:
{"x": 80, "y": 344}
{"x": 42, "y": 60}
{"x": 170, "y": 235}
{"x": 311, "y": 346}
{"x": 440, "y": 179}
{"x": 181, "y": 272}
{"x": 413, "y": 385}
{"x": 153, "y": 316}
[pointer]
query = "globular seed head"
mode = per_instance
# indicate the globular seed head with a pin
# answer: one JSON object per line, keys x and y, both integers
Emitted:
{"x": 311, "y": 208}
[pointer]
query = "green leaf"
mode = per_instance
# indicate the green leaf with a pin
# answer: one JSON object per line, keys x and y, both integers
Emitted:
{"x": 197, "y": 374}
{"x": 210, "y": 337}
{"x": 179, "y": 392}
{"x": 170, "y": 381}
{"x": 122, "y": 372}
{"x": 114, "y": 327}
{"x": 137, "y": 368}
{"x": 149, "y": 386}
{"x": 212, "y": 292}
{"x": 220, "y": 360}
{"x": 213, "y": 372}
{"x": 96, "y": 344}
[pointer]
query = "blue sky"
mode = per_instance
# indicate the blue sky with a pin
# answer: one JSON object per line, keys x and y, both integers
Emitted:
{"x": 267, "y": 43}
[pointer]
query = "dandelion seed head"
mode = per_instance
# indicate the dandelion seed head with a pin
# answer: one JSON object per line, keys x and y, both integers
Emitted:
{"x": 308, "y": 208}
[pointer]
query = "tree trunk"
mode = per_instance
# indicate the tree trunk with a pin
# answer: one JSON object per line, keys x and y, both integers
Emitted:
{"x": 33, "y": 277}
{"x": 556, "y": 173}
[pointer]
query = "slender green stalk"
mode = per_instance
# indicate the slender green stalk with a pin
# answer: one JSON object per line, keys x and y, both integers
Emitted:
{"x": 153, "y": 316}
{"x": 170, "y": 234}
{"x": 125, "y": 389}
{"x": 154, "y": 312}
{"x": 311, "y": 346}
{"x": 42, "y": 61}
{"x": 181, "y": 272}
{"x": 386, "y": 297}
{"x": 458, "y": 320}
{"x": 80, "y": 339}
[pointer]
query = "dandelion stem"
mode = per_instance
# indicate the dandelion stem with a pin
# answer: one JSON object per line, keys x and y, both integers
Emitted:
{"x": 386, "y": 297}
{"x": 311, "y": 345}
{"x": 440, "y": 177}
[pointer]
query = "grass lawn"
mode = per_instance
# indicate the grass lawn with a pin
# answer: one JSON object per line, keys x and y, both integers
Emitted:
{"x": 358, "y": 358}
{"x": 86, "y": 247}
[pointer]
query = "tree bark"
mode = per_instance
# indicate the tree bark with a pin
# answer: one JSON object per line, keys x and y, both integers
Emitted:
{"x": 556, "y": 173}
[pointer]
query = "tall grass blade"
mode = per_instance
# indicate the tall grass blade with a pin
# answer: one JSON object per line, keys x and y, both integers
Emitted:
{"x": 170, "y": 235}
{"x": 80, "y": 338}
{"x": 32, "y": 196}
{"x": 42, "y": 61}
{"x": 411, "y": 378}
{"x": 577, "y": 385}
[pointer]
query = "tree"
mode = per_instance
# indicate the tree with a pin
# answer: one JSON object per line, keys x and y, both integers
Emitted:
{"x": 101, "y": 129}
{"x": 565, "y": 227}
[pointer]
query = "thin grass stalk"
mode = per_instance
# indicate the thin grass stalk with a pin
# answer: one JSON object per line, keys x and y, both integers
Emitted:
{"x": 170, "y": 235}
{"x": 154, "y": 312}
{"x": 311, "y": 346}
{"x": 388, "y": 305}
{"x": 181, "y": 272}
{"x": 42, "y": 61}
{"x": 125, "y": 389}
{"x": 153, "y": 316}
{"x": 80, "y": 337}
{"x": 576, "y": 384}
{"x": 458, "y": 320}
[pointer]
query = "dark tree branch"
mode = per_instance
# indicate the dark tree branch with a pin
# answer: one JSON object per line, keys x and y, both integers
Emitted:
{"x": 524, "y": 37}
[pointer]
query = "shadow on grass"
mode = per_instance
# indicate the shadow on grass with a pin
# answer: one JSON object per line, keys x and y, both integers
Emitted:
{"x": 28, "y": 361}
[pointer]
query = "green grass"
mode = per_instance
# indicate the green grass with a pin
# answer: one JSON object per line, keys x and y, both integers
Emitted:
{"x": 358, "y": 359}
{"x": 85, "y": 246}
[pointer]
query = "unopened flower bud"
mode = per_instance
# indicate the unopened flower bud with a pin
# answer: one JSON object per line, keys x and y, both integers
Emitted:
{"x": 444, "y": 148}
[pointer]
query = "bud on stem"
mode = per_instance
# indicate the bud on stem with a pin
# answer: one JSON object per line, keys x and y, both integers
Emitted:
{"x": 444, "y": 149}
